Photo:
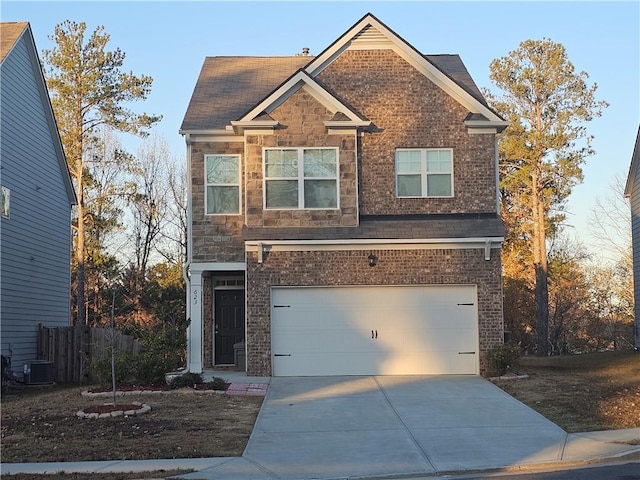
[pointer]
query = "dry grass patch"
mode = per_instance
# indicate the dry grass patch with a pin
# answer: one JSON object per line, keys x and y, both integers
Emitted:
{"x": 39, "y": 424}
{"x": 582, "y": 393}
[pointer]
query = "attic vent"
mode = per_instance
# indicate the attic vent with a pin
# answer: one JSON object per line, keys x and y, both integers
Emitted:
{"x": 370, "y": 38}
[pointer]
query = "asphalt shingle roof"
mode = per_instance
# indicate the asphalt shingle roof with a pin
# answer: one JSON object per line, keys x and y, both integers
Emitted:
{"x": 229, "y": 87}
{"x": 440, "y": 226}
{"x": 9, "y": 34}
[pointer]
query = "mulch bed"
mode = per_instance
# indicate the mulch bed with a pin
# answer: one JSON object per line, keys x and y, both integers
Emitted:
{"x": 150, "y": 388}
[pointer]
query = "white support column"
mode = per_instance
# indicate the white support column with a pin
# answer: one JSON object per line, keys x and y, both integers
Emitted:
{"x": 194, "y": 336}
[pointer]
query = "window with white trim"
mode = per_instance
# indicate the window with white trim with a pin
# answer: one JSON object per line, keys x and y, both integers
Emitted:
{"x": 296, "y": 178}
{"x": 222, "y": 184}
{"x": 424, "y": 172}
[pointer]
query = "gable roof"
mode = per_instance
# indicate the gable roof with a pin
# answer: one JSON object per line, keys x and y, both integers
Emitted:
{"x": 343, "y": 114}
{"x": 11, "y": 33}
{"x": 633, "y": 169}
{"x": 229, "y": 87}
{"x": 450, "y": 74}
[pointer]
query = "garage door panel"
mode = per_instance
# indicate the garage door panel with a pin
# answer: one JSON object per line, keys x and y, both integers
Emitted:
{"x": 301, "y": 342}
{"x": 305, "y": 364}
{"x": 374, "y": 330}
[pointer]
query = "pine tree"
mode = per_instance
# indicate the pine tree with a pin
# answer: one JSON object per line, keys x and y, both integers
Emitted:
{"x": 542, "y": 151}
{"x": 90, "y": 90}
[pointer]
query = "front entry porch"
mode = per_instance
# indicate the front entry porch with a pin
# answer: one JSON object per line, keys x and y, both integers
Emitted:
{"x": 216, "y": 296}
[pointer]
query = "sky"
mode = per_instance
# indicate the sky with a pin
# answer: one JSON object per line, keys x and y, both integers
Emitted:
{"x": 169, "y": 40}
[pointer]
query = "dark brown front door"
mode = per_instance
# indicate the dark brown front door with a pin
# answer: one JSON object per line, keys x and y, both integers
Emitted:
{"x": 228, "y": 324}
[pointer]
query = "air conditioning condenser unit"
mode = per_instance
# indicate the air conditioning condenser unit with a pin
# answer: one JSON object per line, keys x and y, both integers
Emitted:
{"x": 38, "y": 372}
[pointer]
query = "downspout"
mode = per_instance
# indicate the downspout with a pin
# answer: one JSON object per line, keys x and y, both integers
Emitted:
{"x": 497, "y": 167}
{"x": 189, "y": 259}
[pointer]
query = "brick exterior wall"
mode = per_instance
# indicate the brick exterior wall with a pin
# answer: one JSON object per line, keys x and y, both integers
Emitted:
{"x": 407, "y": 111}
{"x": 207, "y": 321}
{"x": 395, "y": 267}
{"x": 410, "y": 111}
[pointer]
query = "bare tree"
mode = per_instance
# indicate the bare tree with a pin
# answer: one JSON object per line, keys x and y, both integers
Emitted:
{"x": 173, "y": 246}
{"x": 147, "y": 206}
{"x": 610, "y": 223}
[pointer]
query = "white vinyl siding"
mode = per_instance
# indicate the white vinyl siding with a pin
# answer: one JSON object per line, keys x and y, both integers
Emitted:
{"x": 301, "y": 178}
{"x": 222, "y": 179}
{"x": 424, "y": 172}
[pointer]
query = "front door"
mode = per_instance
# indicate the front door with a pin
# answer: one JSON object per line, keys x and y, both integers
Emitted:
{"x": 228, "y": 324}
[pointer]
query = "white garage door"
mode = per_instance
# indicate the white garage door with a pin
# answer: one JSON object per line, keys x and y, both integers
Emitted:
{"x": 399, "y": 330}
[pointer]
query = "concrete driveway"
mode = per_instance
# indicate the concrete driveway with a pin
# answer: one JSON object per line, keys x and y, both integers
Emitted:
{"x": 336, "y": 427}
{"x": 355, "y": 427}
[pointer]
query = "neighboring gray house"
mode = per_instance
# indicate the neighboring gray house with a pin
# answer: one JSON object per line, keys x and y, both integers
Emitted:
{"x": 632, "y": 191}
{"x": 37, "y": 197}
{"x": 344, "y": 215}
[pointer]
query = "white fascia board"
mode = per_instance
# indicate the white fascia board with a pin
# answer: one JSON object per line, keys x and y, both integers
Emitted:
{"x": 478, "y": 131}
{"x": 498, "y": 126}
{"x": 255, "y": 127}
{"x": 258, "y": 131}
{"x": 322, "y": 61}
{"x": 204, "y": 131}
{"x": 254, "y": 123}
{"x": 342, "y": 131}
{"x": 226, "y": 138}
{"x": 379, "y": 244}
{"x": 409, "y": 54}
{"x": 199, "y": 267}
{"x": 346, "y": 124}
{"x": 633, "y": 168}
{"x": 210, "y": 135}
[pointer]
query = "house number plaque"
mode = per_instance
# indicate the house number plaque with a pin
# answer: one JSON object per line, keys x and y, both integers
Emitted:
{"x": 194, "y": 296}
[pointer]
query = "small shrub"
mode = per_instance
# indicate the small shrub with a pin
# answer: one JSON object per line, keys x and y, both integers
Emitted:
{"x": 187, "y": 380}
{"x": 503, "y": 358}
{"x": 151, "y": 367}
{"x": 125, "y": 368}
{"x": 163, "y": 350}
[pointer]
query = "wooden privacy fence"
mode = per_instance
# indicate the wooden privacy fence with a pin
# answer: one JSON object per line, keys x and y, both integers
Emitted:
{"x": 73, "y": 349}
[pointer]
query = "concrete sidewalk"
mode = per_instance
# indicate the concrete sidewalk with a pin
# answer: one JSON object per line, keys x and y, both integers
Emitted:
{"x": 341, "y": 427}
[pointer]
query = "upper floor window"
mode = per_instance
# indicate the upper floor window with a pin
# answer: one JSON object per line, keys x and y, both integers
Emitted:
{"x": 424, "y": 172}
{"x": 222, "y": 182}
{"x": 301, "y": 178}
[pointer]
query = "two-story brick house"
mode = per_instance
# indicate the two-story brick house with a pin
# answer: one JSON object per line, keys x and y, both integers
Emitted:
{"x": 344, "y": 213}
